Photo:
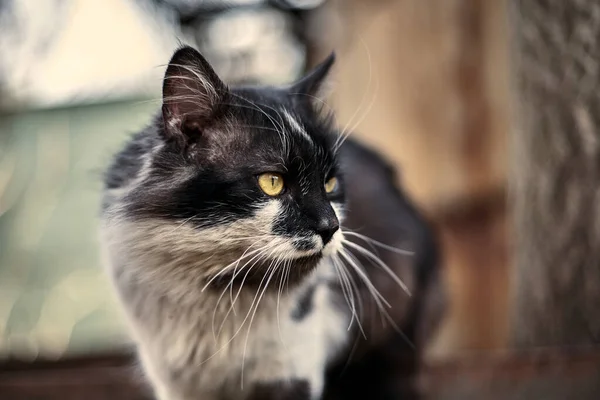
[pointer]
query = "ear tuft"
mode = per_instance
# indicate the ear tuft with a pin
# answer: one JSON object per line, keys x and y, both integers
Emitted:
{"x": 192, "y": 93}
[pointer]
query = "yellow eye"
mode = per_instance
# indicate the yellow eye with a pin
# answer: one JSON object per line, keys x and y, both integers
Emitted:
{"x": 331, "y": 185}
{"x": 271, "y": 183}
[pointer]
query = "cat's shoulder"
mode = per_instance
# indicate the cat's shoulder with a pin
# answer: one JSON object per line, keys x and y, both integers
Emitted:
{"x": 355, "y": 152}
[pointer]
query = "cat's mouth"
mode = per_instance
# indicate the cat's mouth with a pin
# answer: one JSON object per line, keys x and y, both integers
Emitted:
{"x": 299, "y": 255}
{"x": 271, "y": 272}
{"x": 288, "y": 262}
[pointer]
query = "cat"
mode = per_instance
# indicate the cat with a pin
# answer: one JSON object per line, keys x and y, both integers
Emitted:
{"x": 236, "y": 229}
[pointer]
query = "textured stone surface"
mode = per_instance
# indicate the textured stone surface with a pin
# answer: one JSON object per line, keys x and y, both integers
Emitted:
{"x": 556, "y": 155}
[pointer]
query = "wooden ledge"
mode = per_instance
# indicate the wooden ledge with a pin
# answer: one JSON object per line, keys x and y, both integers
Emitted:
{"x": 548, "y": 373}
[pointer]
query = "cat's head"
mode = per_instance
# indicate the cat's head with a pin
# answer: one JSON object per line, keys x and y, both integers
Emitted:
{"x": 238, "y": 172}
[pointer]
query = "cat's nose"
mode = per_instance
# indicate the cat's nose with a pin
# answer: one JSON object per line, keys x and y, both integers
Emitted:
{"x": 327, "y": 227}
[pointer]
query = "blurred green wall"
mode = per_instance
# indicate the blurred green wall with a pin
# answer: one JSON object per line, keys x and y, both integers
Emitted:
{"x": 54, "y": 297}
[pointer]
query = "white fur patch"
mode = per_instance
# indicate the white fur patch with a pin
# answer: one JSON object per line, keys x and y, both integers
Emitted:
{"x": 303, "y": 347}
{"x": 335, "y": 244}
{"x": 296, "y": 125}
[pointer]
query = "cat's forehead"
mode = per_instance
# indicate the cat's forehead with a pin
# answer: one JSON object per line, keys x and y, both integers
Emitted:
{"x": 275, "y": 123}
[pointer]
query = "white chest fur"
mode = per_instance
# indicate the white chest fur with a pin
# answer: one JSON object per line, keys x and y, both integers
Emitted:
{"x": 206, "y": 349}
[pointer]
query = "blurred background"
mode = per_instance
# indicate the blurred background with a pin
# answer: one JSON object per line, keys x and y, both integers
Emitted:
{"x": 424, "y": 82}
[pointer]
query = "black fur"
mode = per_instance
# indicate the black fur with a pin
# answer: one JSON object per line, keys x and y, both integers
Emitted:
{"x": 294, "y": 389}
{"x": 385, "y": 369}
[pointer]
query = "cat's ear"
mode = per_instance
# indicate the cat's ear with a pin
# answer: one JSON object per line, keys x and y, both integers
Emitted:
{"x": 192, "y": 93}
{"x": 313, "y": 88}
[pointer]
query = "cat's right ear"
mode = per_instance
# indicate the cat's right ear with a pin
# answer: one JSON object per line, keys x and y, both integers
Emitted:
{"x": 192, "y": 93}
{"x": 313, "y": 88}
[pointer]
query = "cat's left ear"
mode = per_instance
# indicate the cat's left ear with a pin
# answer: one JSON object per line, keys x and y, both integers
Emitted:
{"x": 313, "y": 88}
{"x": 192, "y": 93}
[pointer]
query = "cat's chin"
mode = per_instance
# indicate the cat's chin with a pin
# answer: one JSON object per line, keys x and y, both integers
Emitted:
{"x": 291, "y": 270}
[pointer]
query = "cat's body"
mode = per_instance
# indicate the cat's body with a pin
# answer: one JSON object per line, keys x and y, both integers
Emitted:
{"x": 187, "y": 357}
{"x": 234, "y": 293}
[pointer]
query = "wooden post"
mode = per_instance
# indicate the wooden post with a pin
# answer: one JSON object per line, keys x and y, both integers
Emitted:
{"x": 556, "y": 180}
{"x": 425, "y": 83}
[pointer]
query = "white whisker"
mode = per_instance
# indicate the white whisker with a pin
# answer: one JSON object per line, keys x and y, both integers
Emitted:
{"x": 380, "y": 263}
{"x": 347, "y": 288}
{"x": 379, "y": 244}
{"x": 347, "y": 128}
{"x": 252, "y": 319}
{"x": 281, "y": 280}
{"x": 256, "y": 259}
{"x": 359, "y": 271}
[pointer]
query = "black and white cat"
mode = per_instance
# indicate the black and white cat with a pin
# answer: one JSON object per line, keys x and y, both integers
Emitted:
{"x": 243, "y": 237}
